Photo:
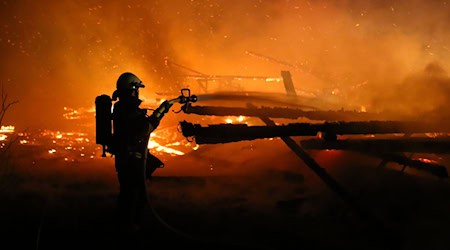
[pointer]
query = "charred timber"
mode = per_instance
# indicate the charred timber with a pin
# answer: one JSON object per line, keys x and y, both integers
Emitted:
{"x": 288, "y": 113}
{"x": 390, "y": 150}
{"x": 413, "y": 145}
{"x": 223, "y": 133}
{"x": 432, "y": 168}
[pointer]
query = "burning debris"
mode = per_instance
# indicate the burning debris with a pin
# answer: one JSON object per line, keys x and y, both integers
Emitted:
{"x": 390, "y": 148}
{"x": 223, "y": 133}
{"x": 289, "y": 113}
{"x": 76, "y": 114}
{"x": 204, "y": 80}
{"x": 393, "y": 150}
{"x": 4, "y": 131}
{"x": 440, "y": 145}
{"x": 166, "y": 141}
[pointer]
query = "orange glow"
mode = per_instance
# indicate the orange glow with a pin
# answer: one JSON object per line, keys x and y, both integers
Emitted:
{"x": 273, "y": 79}
{"x": 371, "y": 54}
{"x": 154, "y": 145}
{"x": 76, "y": 114}
{"x": 426, "y": 160}
{"x": 4, "y": 130}
{"x": 351, "y": 55}
{"x": 160, "y": 148}
{"x": 7, "y": 129}
{"x": 238, "y": 119}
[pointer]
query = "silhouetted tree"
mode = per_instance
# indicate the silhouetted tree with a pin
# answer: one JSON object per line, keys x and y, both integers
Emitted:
{"x": 5, "y": 146}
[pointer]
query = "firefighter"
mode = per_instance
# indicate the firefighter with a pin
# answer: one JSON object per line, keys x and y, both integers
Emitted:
{"x": 133, "y": 162}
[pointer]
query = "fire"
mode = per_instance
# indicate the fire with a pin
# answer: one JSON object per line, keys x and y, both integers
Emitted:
{"x": 24, "y": 142}
{"x": 239, "y": 119}
{"x": 152, "y": 144}
{"x": 161, "y": 141}
{"x": 155, "y": 143}
{"x": 7, "y": 129}
{"x": 74, "y": 114}
{"x": 169, "y": 141}
{"x": 273, "y": 79}
{"x": 426, "y": 160}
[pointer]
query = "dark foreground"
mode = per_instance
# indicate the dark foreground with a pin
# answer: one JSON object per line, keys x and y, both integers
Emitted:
{"x": 52, "y": 204}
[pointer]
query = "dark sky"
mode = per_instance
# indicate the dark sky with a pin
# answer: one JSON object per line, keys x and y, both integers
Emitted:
{"x": 64, "y": 53}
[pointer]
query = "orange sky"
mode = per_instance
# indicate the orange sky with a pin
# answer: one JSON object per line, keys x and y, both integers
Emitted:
{"x": 64, "y": 53}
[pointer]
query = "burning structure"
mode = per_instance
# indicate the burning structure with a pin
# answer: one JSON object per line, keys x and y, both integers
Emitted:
{"x": 361, "y": 76}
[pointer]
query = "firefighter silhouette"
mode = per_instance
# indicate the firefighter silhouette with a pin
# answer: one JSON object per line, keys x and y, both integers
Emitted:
{"x": 125, "y": 133}
{"x": 133, "y": 162}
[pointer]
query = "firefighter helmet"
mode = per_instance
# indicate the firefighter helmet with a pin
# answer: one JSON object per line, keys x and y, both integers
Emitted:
{"x": 128, "y": 81}
{"x": 127, "y": 85}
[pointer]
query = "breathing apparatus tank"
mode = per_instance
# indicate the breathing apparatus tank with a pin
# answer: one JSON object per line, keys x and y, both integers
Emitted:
{"x": 103, "y": 122}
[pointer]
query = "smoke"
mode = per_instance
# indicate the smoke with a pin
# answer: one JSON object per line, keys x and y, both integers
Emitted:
{"x": 421, "y": 94}
{"x": 256, "y": 98}
{"x": 64, "y": 53}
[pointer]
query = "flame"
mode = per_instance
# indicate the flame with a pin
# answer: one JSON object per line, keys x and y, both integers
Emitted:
{"x": 24, "y": 142}
{"x": 152, "y": 144}
{"x": 426, "y": 160}
{"x": 76, "y": 114}
{"x": 7, "y": 129}
{"x": 239, "y": 119}
{"x": 156, "y": 142}
{"x": 273, "y": 79}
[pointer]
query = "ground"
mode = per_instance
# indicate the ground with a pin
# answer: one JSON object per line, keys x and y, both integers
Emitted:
{"x": 264, "y": 199}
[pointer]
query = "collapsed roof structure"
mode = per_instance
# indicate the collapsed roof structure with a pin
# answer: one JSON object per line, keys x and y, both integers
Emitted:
{"x": 375, "y": 134}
